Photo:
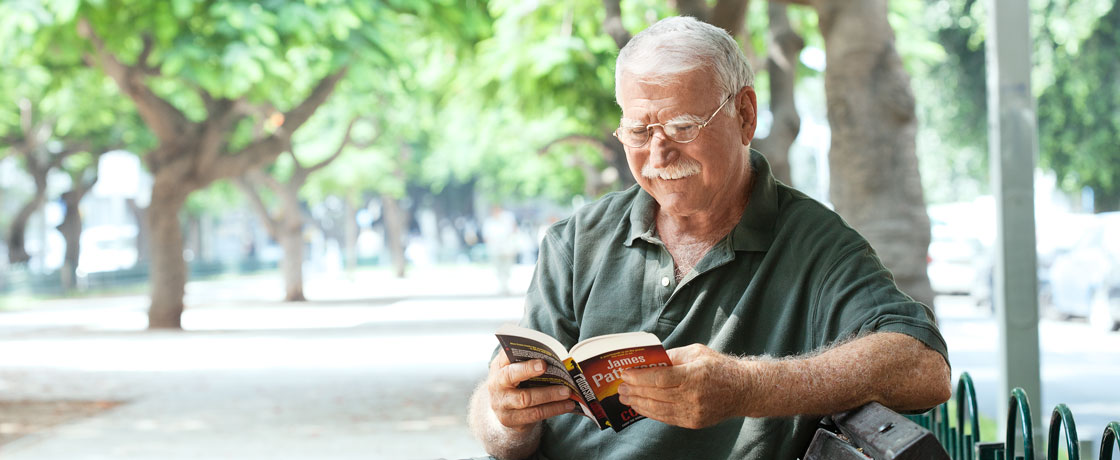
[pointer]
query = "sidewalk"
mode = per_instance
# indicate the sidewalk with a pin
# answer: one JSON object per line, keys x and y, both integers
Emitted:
{"x": 387, "y": 376}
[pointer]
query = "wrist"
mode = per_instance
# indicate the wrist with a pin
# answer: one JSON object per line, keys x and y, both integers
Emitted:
{"x": 498, "y": 439}
{"x": 504, "y": 441}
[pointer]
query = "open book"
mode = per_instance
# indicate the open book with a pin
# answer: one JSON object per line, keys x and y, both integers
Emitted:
{"x": 591, "y": 369}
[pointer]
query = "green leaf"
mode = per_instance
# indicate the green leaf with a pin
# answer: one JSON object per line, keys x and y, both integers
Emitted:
{"x": 64, "y": 10}
{"x": 183, "y": 8}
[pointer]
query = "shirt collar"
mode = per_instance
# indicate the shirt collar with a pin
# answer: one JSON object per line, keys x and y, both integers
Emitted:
{"x": 642, "y": 214}
{"x": 755, "y": 230}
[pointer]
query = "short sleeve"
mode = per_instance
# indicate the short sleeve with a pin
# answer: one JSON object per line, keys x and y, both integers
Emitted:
{"x": 858, "y": 296}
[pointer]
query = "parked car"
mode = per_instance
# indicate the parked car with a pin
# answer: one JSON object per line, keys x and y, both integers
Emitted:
{"x": 956, "y": 247}
{"x": 1055, "y": 234}
{"x": 952, "y": 263}
{"x": 1085, "y": 280}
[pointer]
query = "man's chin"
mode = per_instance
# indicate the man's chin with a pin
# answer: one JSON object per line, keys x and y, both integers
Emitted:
{"x": 675, "y": 203}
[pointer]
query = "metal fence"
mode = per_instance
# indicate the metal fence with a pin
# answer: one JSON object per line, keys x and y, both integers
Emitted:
{"x": 962, "y": 440}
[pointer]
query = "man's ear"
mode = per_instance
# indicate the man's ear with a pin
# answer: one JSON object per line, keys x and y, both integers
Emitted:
{"x": 746, "y": 105}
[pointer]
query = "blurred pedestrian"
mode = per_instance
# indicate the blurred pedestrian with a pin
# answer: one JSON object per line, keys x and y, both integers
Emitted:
{"x": 499, "y": 232}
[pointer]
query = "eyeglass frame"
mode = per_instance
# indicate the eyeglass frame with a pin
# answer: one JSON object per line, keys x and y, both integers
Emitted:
{"x": 662, "y": 125}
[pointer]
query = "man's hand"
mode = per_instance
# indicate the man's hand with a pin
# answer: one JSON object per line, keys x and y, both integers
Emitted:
{"x": 705, "y": 387}
{"x": 521, "y": 408}
{"x": 702, "y": 387}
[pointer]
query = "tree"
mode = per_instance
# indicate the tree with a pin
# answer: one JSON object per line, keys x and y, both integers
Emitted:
{"x": 285, "y": 223}
{"x": 548, "y": 83}
{"x": 1077, "y": 113}
{"x": 57, "y": 111}
{"x": 1074, "y": 45}
{"x": 953, "y": 102}
{"x": 201, "y": 75}
{"x": 38, "y": 159}
{"x": 83, "y": 176}
{"x": 876, "y": 186}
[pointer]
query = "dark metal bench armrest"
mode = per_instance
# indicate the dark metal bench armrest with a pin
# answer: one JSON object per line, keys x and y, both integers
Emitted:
{"x": 881, "y": 434}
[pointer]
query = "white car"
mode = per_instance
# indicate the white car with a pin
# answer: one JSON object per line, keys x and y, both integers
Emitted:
{"x": 107, "y": 248}
{"x": 1085, "y": 280}
{"x": 952, "y": 264}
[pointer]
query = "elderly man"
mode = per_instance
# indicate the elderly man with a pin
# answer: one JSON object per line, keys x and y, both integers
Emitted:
{"x": 774, "y": 310}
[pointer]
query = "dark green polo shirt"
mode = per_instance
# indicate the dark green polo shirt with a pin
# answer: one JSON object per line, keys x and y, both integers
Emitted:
{"x": 790, "y": 278}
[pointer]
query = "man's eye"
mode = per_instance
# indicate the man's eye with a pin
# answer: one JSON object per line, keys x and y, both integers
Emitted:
{"x": 680, "y": 127}
{"x": 637, "y": 131}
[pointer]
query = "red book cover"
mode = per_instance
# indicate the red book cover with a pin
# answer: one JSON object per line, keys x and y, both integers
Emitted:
{"x": 592, "y": 369}
{"x": 604, "y": 371}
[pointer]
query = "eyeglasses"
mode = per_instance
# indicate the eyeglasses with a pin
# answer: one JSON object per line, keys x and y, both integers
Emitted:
{"x": 679, "y": 132}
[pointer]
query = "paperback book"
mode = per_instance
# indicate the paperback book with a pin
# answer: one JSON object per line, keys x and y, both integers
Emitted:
{"x": 592, "y": 369}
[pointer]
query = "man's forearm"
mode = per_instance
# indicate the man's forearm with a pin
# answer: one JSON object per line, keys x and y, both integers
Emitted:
{"x": 499, "y": 440}
{"x": 893, "y": 369}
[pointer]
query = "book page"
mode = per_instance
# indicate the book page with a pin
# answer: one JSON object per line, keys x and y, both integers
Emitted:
{"x": 545, "y": 339}
{"x": 596, "y": 346}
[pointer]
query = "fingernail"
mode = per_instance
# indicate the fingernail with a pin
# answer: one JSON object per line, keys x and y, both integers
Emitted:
{"x": 623, "y": 389}
{"x": 623, "y": 399}
{"x": 562, "y": 392}
{"x": 538, "y": 366}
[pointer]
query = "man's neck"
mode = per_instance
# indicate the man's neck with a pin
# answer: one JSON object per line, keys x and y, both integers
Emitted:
{"x": 689, "y": 238}
{"x": 706, "y": 226}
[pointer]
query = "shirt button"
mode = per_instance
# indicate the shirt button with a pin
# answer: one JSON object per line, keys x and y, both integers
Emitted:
{"x": 665, "y": 281}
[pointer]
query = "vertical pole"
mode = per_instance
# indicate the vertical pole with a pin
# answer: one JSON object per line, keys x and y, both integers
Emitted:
{"x": 1012, "y": 149}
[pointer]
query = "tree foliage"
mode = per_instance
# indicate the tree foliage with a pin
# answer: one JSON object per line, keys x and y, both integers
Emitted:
{"x": 1074, "y": 49}
{"x": 1079, "y": 113}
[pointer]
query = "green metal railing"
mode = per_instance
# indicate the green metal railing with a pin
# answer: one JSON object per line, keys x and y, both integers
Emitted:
{"x": 962, "y": 441}
{"x": 1111, "y": 437}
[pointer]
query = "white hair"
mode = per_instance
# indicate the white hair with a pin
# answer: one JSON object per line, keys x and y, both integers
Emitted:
{"x": 679, "y": 44}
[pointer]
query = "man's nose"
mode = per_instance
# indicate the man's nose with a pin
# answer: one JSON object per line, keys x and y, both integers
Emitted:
{"x": 662, "y": 150}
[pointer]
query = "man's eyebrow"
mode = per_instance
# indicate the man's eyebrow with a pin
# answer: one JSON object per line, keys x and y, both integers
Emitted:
{"x": 630, "y": 122}
{"x": 686, "y": 118}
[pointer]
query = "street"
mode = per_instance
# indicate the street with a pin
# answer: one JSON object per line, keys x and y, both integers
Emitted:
{"x": 1080, "y": 365}
{"x": 385, "y": 376}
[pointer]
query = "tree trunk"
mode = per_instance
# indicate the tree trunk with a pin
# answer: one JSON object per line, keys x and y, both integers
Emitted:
{"x": 71, "y": 229}
{"x": 781, "y": 65}
{"x": 291, "y": 240}
{"x": 168, "y": 270}
{"x": 396, "y": 229}
{"x": 17, "y": 233}
{"x": 874, "y": 168}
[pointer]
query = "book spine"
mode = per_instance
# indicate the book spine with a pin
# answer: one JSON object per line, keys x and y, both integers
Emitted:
{"x": 586, "y": 394}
